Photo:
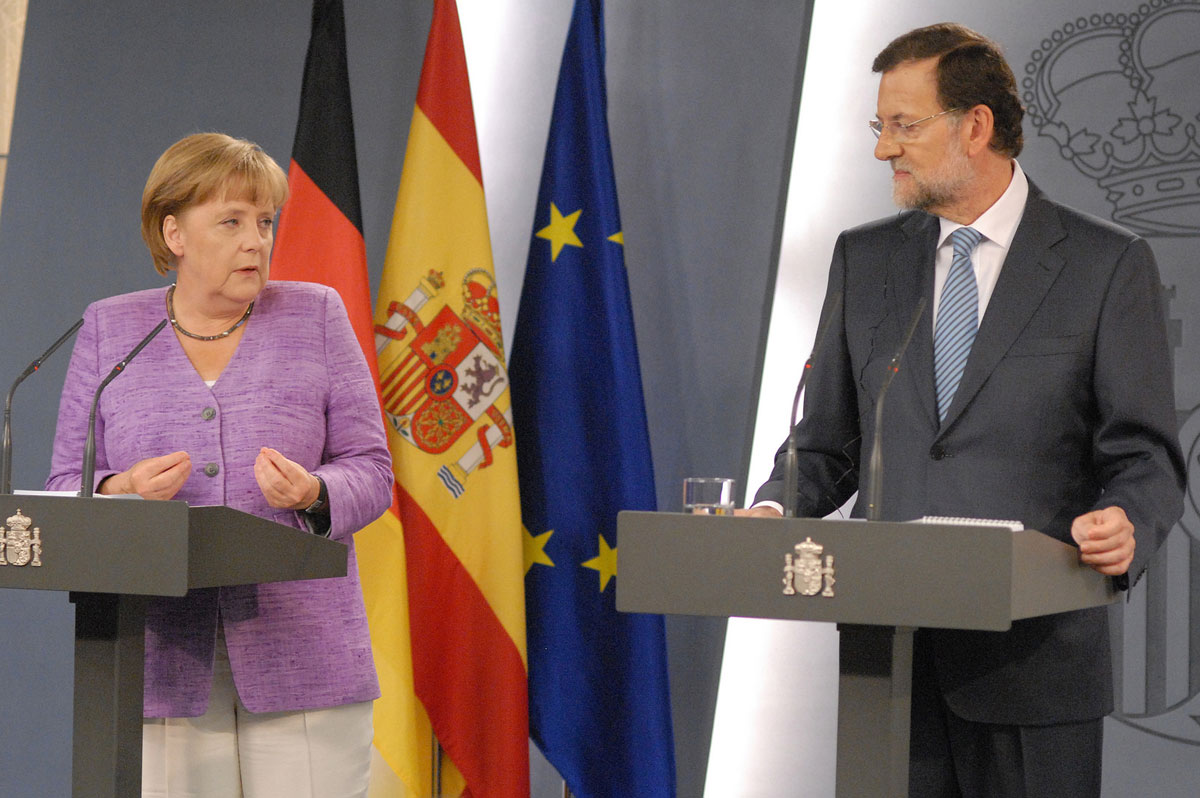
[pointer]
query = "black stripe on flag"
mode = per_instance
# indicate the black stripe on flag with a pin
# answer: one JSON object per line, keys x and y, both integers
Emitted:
{"x": 324, "y": 145}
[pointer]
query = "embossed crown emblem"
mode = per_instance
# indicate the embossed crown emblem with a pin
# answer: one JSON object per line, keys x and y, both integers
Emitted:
{"x": 809, "y": 548}
{"x": 1117, "y": 92}
{"x": 19, "y": 522}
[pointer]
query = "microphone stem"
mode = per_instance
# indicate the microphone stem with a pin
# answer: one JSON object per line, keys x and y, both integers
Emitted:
{"x": 791, "y": 460}
{"x": 6, "y": 455}
{"x": 791, "y": 465}
{"x": 89, "y": 449}
{"x": 875, "y": 468}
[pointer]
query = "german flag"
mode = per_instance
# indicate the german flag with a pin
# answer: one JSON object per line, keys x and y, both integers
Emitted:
{"x": 320, "y": 237}
{"x": 320, "y": 240}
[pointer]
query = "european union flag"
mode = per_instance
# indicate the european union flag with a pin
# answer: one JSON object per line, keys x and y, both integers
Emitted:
{"x": 599, "y": 707}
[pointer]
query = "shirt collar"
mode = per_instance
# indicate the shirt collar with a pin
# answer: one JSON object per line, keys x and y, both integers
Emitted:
{"x": 998, "y": 223}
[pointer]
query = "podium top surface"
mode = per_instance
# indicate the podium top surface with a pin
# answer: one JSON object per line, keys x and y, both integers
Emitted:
{"x": 882, "y": 573}
{"x": 157, "y": 548}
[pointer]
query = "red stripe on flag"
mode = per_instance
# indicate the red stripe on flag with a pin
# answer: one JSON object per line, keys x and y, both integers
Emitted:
{"x": 398, "y": 396}
{"x": 445, "y": 92}
{"x": 477, "y": 702}
{"x": 391, "y": 386}
{"x": 318, "y": 244}
{"x": 391, "y": 373}
{"x": 412, "y": 374}
{"x": 407, "y": 407}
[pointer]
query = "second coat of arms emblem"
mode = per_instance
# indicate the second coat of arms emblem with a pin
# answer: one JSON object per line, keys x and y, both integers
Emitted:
{"x": 804, "y": 573}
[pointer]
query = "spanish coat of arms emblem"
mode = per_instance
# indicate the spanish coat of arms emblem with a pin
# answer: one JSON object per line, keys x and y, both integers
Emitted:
{"x": 20, "y": 545}
{"x": 440, "y": 378}
{"x": 803, "y": 572}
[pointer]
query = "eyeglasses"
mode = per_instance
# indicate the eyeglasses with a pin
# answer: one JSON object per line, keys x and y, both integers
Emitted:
{"x": 903, "y": 131}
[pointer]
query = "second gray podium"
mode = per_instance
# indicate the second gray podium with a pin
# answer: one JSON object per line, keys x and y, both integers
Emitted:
{"x": 878, "y": 581}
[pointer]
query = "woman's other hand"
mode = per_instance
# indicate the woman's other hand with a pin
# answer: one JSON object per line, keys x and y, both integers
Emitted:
{"x": 285, "y": 484}
{"x": 152, "y": 478}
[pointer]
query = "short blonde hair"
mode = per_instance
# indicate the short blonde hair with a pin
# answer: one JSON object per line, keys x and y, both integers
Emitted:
{"x": 196, "y": 169}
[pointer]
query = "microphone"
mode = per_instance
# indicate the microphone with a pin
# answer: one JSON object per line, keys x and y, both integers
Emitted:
{"x": 6, "y": 455}
{"x": 89, "y": 449}
{"x": 875, "y": 469}
{"x": 791, "y": 466}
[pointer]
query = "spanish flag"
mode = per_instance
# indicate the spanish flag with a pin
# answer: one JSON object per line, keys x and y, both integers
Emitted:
{"x": 447, "y": 409}
{"x": 320, "y": 240}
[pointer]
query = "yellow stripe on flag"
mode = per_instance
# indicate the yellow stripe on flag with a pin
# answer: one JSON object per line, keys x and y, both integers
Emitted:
{"x": 441, "y": 354}
{"x": 440, "y": 224}
{"x": 403, "y": 739}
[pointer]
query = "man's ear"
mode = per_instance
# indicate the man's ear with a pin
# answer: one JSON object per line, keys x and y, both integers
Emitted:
{"x": 977, "y": 127}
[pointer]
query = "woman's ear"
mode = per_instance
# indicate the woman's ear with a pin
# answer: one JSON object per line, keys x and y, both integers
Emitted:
{"x": 172, "y": 235}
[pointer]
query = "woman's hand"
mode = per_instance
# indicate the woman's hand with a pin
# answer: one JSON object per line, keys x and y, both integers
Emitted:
{"x": 285, "y": 484}
{"x": 152, "y": 478}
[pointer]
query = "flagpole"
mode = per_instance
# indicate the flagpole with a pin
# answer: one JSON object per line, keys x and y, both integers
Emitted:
{"x": 566, "y": 790}
{"x": 436, "y": 768}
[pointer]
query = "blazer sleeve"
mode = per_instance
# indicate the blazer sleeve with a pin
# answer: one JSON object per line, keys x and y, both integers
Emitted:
{"x": 1135, "y": 439}
{"x": 356, "y": 464}
{"x": 70, "y": 434}
{"x": 828, "y": 434}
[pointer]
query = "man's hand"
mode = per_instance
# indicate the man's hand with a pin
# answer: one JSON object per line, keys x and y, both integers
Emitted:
{"x": 1105, "y": 539}
{"x": 764, "y": 511}
{"x": 285, "y": 484}
{"x": 152, "y": 478}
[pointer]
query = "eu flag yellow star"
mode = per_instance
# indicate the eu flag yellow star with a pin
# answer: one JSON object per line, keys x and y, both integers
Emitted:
{"x": 605, "y": 563}
{"x": 535, "y": 548}
{"x": 560, "y": 232}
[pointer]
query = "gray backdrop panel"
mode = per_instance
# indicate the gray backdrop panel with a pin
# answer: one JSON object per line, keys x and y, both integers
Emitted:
{"x": 701, "y": 101}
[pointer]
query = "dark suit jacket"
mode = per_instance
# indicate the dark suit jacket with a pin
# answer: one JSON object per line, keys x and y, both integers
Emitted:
{"x": 1066, "y": 405}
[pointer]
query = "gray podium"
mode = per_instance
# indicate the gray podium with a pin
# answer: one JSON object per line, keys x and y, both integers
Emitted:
{"x": 878, "y": 581}
{"x": 113, "y": 555}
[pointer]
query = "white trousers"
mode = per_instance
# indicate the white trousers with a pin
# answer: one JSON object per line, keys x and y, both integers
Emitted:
{"x": 230, "y": 752}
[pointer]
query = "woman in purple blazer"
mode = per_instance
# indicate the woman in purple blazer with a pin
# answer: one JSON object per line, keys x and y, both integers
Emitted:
{"x": 260, "y": 400}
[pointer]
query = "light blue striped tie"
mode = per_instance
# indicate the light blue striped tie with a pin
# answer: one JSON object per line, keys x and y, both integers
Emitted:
{"x": 957, "y": 319}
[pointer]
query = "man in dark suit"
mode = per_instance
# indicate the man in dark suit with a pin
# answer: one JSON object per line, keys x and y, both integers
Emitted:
{"x": 1037, "y": 388}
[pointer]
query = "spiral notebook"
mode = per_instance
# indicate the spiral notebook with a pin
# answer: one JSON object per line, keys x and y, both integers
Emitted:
{"x": 1015, "y": 526}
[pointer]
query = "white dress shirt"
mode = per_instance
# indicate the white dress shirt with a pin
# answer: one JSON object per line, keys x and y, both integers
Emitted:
{"x": 998, "y": 225}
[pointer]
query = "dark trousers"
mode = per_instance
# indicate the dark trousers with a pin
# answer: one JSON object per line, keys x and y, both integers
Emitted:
{"x": 955, "y": 758}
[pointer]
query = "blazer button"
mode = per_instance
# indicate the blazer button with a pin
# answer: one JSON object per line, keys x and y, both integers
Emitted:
{"x": 937, "y": 452}
{"x": 208, "y": 413}
{"x": 212, "y": 469}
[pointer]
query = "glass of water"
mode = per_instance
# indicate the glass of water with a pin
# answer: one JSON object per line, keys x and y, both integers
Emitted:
{"x": 708, "y": 495}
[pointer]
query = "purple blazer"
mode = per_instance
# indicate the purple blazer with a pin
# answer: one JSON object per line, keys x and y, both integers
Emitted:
{"x": 298, "y": 383}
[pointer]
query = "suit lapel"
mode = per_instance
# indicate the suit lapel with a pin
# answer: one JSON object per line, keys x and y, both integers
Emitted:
{"x": 910, "y": 272}
{"x": 1029, "y": 270}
